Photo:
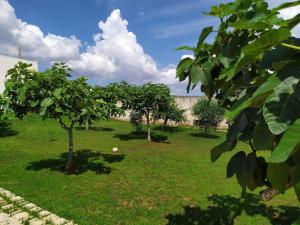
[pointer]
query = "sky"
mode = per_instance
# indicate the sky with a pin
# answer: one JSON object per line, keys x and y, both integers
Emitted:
{"x": 108, "y": 40}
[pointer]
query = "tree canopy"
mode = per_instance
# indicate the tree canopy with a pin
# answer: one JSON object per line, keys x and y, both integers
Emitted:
{"x": 52, "y": 94}
{"x": 208, "y": 115}
{"x": 170, "y": 112}
{"x": 253, "y": 70}
{"x": 144, "y": 100}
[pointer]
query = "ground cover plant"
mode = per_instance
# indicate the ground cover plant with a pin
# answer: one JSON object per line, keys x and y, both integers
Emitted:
{"x": 160, "y": 182}
{"x": 252, "y": 69}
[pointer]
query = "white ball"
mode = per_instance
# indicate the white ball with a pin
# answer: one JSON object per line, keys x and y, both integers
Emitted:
{"x": 115, "y": 149}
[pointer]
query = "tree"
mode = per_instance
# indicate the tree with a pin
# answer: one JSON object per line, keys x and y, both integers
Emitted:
{"x": 252, "y": 68}
{"x": 145, "y": 100}
{"x": 53, "y": 95}
{"x": 209, "y": 115}
{"x": 171, "y": 112}
{"x": 136, "y": 120}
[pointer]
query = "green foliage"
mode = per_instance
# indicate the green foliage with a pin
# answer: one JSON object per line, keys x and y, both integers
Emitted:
{"x": 136, "y": 120}
{"x": 146, "y": 100}
{"x": 253, "y": 69}
{"x": 170, "y": 112}
{"x": 52, "y": 94}
{"x": 209, "y": 115}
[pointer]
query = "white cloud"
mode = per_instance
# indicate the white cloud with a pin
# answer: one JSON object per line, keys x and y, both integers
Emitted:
{"x": 290, "y": 13}
{"x": 33, "y": 42}
{"x": 116, "y": 55}
{"x": 287, "y": 13}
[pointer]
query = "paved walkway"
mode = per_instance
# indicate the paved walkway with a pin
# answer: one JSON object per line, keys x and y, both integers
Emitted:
{"x": 14, "y": 210}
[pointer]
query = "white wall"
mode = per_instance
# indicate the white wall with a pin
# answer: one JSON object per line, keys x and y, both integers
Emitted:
{"x": 184, "y": 102}
{"x": 7, "y": 63}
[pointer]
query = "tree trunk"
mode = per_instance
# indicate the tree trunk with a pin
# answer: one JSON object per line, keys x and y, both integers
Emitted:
{"x": 148, "y": 125}
{"x": 70, "y": 153}
{"x": 87, "y": 126}
{"x": 165, "y": 122}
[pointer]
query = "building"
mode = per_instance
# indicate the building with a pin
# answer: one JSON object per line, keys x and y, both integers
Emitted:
{"x": 6, "y": 63}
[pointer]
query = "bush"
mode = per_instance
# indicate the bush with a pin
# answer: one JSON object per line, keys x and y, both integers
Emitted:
{"x": 171, "y": 112}
{"x": 136, "y": 120}
{"x": 209, "y": 115}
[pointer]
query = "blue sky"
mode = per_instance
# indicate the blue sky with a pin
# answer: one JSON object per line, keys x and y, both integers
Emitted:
{"x": 106, "y": 40}
{"x": 160, "y": 26}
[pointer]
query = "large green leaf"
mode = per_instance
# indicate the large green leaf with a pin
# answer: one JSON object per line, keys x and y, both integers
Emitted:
{"x": 235, "y": 163}
{"x": 197, "y": 75}
{"x": 256, "y": 49}
{"x": 188, "y": 48}
{"x": 183, "y": 68}
{"x": 262, "y": 92}
{"x": 259, "y": 22}
{"x": 278, "y": 174}
{"x": 262, "y": 137}
{"x": 282, "y": 107}
{"x": 246, "y": 169}
{"x": 287, "y": 144}
{"x": 234, "y": 130}
{"x": 204, "y": 34}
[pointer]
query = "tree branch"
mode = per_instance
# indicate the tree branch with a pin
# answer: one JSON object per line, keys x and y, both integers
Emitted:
{"x": 62, "y": 124}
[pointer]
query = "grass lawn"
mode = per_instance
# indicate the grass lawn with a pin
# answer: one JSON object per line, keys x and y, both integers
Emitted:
{"x": 169, "y": 181}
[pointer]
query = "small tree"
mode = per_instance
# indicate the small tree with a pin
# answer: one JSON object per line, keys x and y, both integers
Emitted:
{"x": 146, "y": 99}
{"x": 53, "y": 95}
{"x": 209, "y": 115}
{"x": 171, "y": 112}
{"x": 136, "y": 120}
{"x": 152, "y": 98}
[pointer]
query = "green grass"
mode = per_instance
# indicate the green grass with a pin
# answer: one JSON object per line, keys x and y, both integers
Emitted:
{"x": 171, "y": 181}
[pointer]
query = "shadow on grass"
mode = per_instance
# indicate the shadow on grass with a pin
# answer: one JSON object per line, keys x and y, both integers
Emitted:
{"x": 142, "y": 135}
{"x": 168, "y": 129}
{"x": 5, "y": 130}
{"x": 225, "y": 209}
{"x": 96, "y": 128}
{"x": 208, "y": 136}
{"x": 83, "y": 160}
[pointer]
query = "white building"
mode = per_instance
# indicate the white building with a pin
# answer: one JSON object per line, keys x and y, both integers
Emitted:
{"x": 6, "y": 63}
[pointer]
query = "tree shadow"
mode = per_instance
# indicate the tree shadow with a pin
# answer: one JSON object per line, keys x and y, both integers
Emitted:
{"x": 83, "y": 160}
{"x": 5, "y": 129}
{"x": 141, "y": 136}
{"x": 168, "y": 129}
{"x": 225, "y": 209}
{"x": 95, "y": 128}
{"x": 201, "y": 135}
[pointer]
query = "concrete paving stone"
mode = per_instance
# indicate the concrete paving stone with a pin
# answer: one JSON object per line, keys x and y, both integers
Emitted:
{"x": 30, "y": 206}
{"x": 36, "y": 209}
{"x": 56, "y": 220}
{"x": 5, "y": 219}
{"x": 44, "y": 213}
{"x": 22, "y": 216}
{"x": 7, "y": 207}
{"x": 15, "y": 214}
{"x": 16, "y": 199}
{"x": 36, "y": 221}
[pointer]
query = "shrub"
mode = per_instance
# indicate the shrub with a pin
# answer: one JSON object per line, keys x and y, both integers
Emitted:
{"x": 209, "y": 115}
{"x": 136, "y": 120}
